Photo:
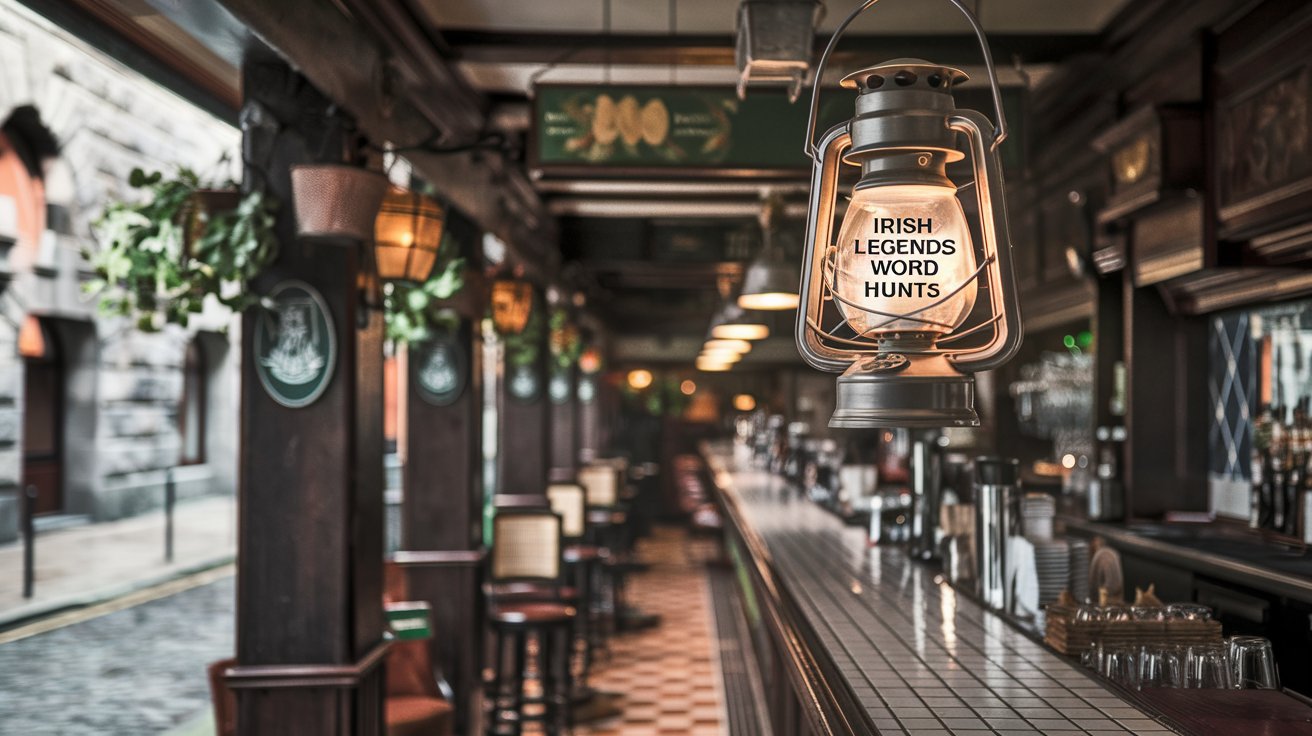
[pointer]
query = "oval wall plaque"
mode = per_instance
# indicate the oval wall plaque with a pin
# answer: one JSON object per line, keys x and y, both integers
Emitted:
{"x": 295, "y": 345}
{"x": 559, "y": 389}
{"x": 523, "y": 383}
{"x": 440, "y": 370}
{"x": 587, "y": 389}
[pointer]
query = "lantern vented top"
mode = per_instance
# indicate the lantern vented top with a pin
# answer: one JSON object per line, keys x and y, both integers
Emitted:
{"x": 905, "y": 74}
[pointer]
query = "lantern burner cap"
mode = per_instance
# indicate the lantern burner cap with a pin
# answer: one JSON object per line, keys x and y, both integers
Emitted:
{"x": 904, "y": 74}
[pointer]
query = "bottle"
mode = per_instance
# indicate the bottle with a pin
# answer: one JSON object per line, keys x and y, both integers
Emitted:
{"x": 1260, "y": 509}
{"x": 1277, "y": 485}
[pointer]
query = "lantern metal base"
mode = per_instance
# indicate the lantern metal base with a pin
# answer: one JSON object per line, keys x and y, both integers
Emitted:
{"x": 920, "y": 391}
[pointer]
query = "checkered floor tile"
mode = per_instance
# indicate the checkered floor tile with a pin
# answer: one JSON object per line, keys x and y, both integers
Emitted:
{"x": 669, "y": 675}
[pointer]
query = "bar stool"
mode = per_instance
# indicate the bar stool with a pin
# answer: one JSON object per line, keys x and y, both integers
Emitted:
{"x": 568, "y": 500}
{"x": 609, "y": 520}
{"x": 526, "y": 549}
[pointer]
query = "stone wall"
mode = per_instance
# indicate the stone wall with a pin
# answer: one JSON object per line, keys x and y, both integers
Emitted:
{"x": 122, "y": 387}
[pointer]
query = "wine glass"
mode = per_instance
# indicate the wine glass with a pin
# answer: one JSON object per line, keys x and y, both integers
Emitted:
{"x": 1120, "y": 665}
{"x": 1208, "y": 666}
{"x": 1152, "y": 667}
{"x": 1252, "y": 664}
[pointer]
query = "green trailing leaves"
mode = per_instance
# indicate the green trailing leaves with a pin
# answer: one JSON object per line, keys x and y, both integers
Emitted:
{"x": 414, "y": 312}
{"x": 522, "y": 349}
{"x": 160, "y": 258}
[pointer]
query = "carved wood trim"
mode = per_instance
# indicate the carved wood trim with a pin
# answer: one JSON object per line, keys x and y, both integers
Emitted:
{"x": 1226, "y": 288}
{"x": 1263, "y": 116}
{"x": 1169, "y": 242}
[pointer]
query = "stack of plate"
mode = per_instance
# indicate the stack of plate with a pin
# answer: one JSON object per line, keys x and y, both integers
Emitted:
{"x": 1079, "y": 585}
{"x": 1036, "y": 511}
{"x": 1052, "y": 562}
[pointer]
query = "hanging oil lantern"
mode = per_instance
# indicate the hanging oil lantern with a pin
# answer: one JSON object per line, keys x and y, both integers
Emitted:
{"x": 512, "y": 303}
{"x": 885, "y": 303}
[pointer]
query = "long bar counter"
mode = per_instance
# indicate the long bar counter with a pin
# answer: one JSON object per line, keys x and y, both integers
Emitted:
{"x": 864, "y": 640}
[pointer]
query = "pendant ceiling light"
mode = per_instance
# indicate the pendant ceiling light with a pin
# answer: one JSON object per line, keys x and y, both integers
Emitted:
{"x": 885, "y": 302}
{"x": 735, "y": 323}
{"x": 737, "y": 346}
{"x": 770, "y": 283}
{"x": 407, "y": 233}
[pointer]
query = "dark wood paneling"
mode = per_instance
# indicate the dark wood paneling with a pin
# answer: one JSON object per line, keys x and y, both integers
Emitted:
{"x": 523, "y": 426}
{"x": 565, "y": 432}
{"x": 443, "y": 504}
{"x": 1263, "y": 119}
{"x": 310, "y": 514}
{"x": 1168, "y": 408}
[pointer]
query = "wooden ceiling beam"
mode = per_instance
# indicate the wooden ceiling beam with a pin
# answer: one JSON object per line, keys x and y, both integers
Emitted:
{"x": 718, "y": 50}
{"x": 346, "y": 60}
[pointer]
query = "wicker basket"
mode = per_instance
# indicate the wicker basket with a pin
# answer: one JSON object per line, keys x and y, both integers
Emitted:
{"x": 1069, "y": 636}
{"x": 336, "y": 200}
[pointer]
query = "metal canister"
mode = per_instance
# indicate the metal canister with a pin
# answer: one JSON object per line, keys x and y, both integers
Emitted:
{"x": 997, "y": 490}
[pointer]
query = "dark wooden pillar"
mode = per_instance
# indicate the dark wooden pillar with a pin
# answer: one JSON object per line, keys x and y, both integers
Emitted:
{"x": 587, "y": 391}
{"x": 442, "y": 506}
{"x": 523, "y": 424}
{"x": 563, "y": 393}
{"x": 1167, "y": 408}
{"x": 443, "y": 501}
{"x": 309, "y": 572}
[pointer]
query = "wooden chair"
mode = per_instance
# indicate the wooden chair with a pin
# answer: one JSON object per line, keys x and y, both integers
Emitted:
{"x": 414, "y": 705}
{"x": 224, "y": 700}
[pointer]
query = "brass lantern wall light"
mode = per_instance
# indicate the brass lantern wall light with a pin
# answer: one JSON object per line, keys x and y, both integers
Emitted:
{"x": 512, "y": 303}
{"x": 885, "y": 303}
{"x": 407, "y": 233}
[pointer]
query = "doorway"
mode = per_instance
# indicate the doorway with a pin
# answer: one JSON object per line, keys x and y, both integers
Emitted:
{"x": 43, "y": 413}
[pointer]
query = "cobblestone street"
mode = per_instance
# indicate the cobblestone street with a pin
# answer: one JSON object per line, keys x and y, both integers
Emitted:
{"x": 132, "y": 672}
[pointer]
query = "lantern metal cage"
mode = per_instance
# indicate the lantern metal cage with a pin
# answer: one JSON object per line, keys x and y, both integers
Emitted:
{"x": 907, "y": 367}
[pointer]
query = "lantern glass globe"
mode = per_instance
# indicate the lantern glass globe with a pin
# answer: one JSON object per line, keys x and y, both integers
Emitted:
{"x": 902, "y": 248}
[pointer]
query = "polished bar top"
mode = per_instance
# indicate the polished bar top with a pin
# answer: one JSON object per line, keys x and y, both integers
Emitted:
{"x": 919, "y": 658}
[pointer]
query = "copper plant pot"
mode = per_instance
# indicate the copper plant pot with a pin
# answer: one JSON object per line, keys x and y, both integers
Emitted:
{"x": 336, "y": 200}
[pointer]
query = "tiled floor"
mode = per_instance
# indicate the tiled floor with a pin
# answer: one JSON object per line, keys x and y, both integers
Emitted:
{"x": 669, "y": 675}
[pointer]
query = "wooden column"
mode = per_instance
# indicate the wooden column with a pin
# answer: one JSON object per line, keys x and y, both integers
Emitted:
{"x": 442, "y": 506}
{"x": 587, "y": 392}
{"x": 563, "y": 393}
{"x": 522, "y": 449}
{"x": 309, "y": 572}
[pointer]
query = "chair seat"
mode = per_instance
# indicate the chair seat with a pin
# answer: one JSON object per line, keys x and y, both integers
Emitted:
{"x": 583, "y": 553}
{"x": 418, "y": 715}
{"x": 535, "y": 614}
{"x": 532, "y": 593}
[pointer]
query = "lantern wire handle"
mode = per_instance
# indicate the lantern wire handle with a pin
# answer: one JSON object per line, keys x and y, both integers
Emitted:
{"x": 999, "y": 131}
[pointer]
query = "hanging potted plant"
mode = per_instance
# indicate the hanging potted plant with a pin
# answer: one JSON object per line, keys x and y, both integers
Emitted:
{"x": 159, "y": 258}
{"x": 566, "y": 345}
{"x": 337, "y": 200}
{"x": 414, "y": 312}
